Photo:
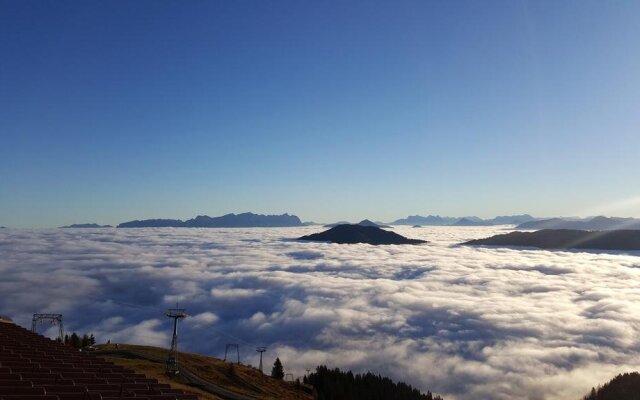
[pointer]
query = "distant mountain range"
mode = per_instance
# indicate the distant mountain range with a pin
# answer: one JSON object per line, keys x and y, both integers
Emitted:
{"x": 355, "y": 233}
{"x": 429, "y": 220}
{"x": 470, "y": 222}
{"x": 566, "y": 239}
{"x": 91, "y": 225}
{"x": 249, "y": 220}
{"x": 364, "y": 222}
{"x": 599, "y": 223}
{"x": 244, "y": 220}
{"x": 436, "y": 220}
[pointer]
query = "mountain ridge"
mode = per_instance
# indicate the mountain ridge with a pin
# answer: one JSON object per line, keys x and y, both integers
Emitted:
{"x": 469, "y": 222}
{"x": 242, "y": 220}
{"x": 436, "y": 220}
{"x": 558, "y": 239}
{"x": 598, "y": 223}
{"x": 86, "y": 225}
{"x": 364, "y": 222}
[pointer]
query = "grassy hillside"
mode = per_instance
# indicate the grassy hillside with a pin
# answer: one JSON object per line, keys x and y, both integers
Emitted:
{"x": 208, "y": 377}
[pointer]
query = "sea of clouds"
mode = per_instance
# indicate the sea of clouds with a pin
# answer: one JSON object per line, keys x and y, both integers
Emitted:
{"x": 467, "y": 323}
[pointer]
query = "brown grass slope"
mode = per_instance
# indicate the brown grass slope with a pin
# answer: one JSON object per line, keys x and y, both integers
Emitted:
{"x": 209, "y": 378}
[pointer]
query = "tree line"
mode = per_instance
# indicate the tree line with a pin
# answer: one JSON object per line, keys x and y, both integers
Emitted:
{"x": 622, "y": 387}
{"x": 334, "y": 384}
{"x": 79, "y": 342}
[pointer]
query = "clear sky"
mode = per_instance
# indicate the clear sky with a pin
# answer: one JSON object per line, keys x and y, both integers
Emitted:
{"x": 119, "y": 110}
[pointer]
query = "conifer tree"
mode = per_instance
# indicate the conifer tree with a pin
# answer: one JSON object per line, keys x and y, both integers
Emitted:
{"x": 74, "y": 340}
{"x": 277, "y": 371}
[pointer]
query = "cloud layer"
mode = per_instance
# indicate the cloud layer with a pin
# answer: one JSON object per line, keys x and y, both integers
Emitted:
{"x": 464, "y": 322}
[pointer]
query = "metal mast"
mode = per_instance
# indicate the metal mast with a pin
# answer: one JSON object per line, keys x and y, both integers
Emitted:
{"x": 232, "y": 346}
{"x": 261, "y": 350}
{"x": 172, "y": 359}
{"x": 56, "y": 319}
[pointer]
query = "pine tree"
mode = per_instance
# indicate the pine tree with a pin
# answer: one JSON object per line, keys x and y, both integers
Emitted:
{"x": 92, "y": 340}
{"x": 74, "y": 340}
{"x": 277, "y": 371}
{"x": 591, "y": 396}
{"x": 85, "y": 341}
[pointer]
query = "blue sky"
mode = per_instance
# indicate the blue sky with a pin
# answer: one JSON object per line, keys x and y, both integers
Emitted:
{"x": 111, "y": 111}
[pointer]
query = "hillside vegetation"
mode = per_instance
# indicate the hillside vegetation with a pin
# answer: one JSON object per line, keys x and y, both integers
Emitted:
{"x": 210, "y": 378}
{"x": 622, "y": 387}
{"x": 214, "y": 379}
{"x": 334, "y": 384}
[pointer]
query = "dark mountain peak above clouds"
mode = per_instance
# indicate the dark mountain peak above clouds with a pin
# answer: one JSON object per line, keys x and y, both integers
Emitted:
{"x": 336, "y": 224}
{"x": 243, "y": 220}
{"x": 593, "y": 223}
{"x": 367, "y": 222}
{"x": 351, "y": 234}
{"x": 626, "y": 240}
{"x": 89, "y": 225}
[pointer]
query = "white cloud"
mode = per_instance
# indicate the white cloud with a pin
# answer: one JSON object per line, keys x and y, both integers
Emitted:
{"x": 463, "y": 322}
{"x": 202, "y": 319}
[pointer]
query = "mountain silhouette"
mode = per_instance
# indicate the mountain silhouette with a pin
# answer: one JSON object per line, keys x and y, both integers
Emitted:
{"x": 511, "y": 219}
{"x": 469, "y": 222}
{"x": 599, "y": 223}
{"x": 336, "y": 224}
{"x": 456, "y": 221}
{"x": 244, "y": 220}
{"x": 90, "y": 225}
{"x": 350, "y": 234}
{"x": 566, "y": 239}
{"x": 429, "y": 220}
{"x": 153, "y": 223}
{"x": 364, "y": 222}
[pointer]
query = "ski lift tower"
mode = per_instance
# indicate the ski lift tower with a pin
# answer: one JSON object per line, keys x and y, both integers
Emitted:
{"x": 261, "y": 350}
{"x": 172, "y": 359}
{"x": 55, "y": 319}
